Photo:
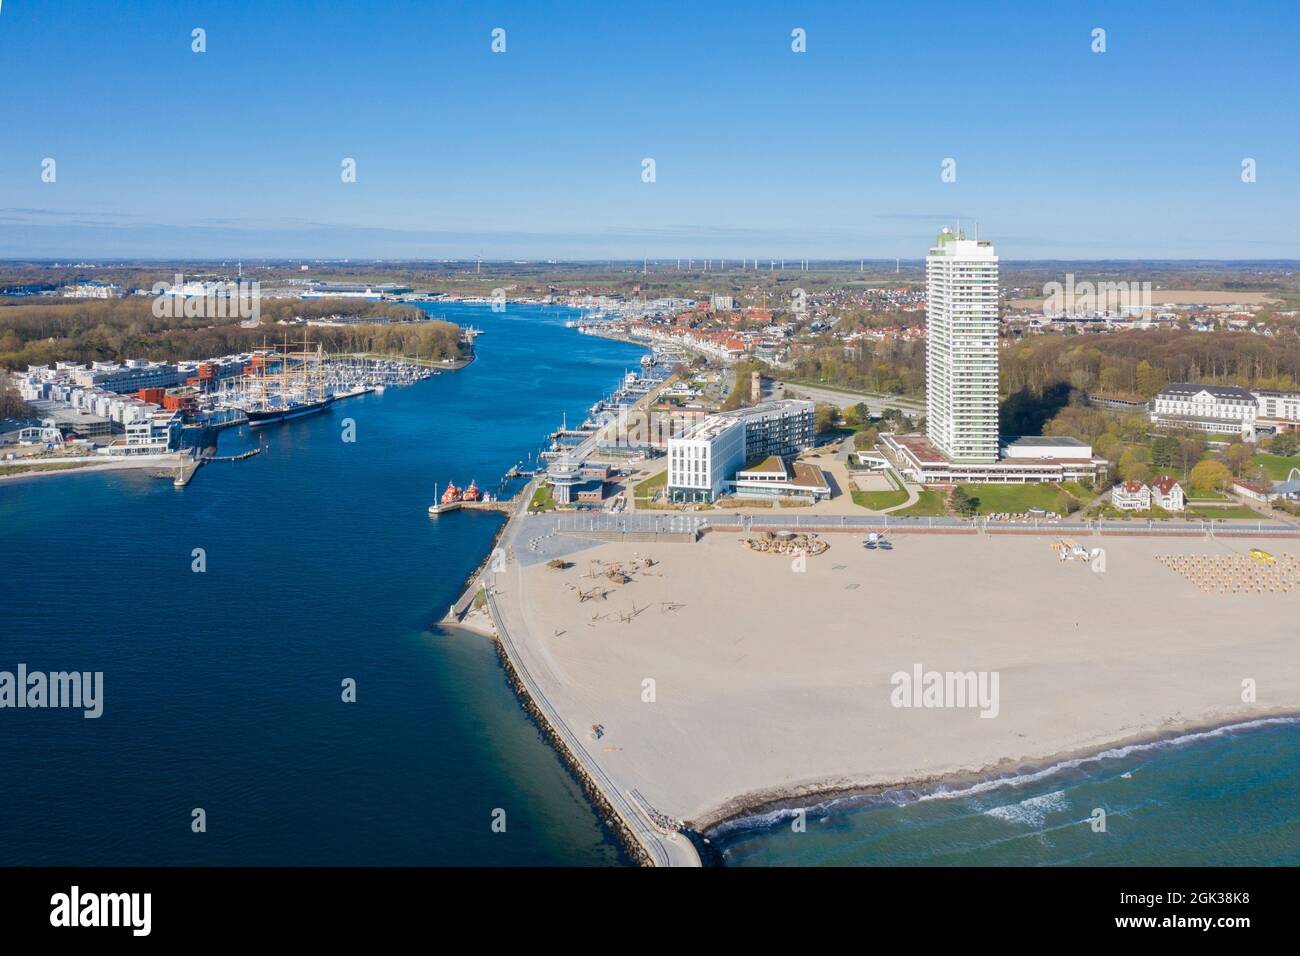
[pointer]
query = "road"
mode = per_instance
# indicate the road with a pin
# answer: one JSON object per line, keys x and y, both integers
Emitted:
{"x": 876, "y": 402}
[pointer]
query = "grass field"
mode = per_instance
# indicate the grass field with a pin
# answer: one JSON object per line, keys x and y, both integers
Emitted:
{"x": 1016, "y": 499}
{"x": 1232, "y": 511}
{"x": 646, "y": 489}
{"x": 1276, "y": 467}
{"x": 877, "y": 500}
{"x": 931, "y": 504}
{"x": 542, "y": 499}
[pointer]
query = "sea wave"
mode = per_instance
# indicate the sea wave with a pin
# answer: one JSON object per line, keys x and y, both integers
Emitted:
{"x": 900, "y": 796}
{"x": 1032, "y": 811}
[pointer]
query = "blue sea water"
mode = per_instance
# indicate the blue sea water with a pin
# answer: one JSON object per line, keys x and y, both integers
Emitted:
{"x": 223, "y": 688}
{"x": 1229, "y": 797}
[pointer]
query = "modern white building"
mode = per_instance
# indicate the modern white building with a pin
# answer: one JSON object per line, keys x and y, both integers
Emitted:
{"x": 961, "y": 358}
{"x": 1278, "y": 409}
{"x": 962, "y": 443}
{"x": 130, "y": 376}
{"x": 774, "y": 477}
{"x": 701, "y": 462}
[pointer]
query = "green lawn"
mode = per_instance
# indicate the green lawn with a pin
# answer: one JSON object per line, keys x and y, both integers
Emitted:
{"x": 542, "y": 499}
{"x": 646, "y": 489}
{"x": 931, "y": 504}
{"x": 1232, "y": 511}
{"x": 1276, "y": 467}
{"x": 1017, "y": 499}
{"x": 878, "y": 500}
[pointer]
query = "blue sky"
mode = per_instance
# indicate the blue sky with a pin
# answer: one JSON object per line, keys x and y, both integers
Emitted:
{"x": 536, "y": 153}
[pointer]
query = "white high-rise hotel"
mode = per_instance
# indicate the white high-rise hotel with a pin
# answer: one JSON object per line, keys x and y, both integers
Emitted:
{"x": 961, "y": 357}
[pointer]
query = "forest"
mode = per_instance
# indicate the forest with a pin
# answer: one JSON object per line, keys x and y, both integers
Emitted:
{"x": 115, "y": 329}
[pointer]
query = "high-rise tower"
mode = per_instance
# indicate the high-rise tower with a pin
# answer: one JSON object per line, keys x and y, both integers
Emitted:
{"x": 961, "y": 355}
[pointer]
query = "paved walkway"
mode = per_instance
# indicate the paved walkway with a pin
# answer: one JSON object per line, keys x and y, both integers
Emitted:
{"x": 504, "y": 589}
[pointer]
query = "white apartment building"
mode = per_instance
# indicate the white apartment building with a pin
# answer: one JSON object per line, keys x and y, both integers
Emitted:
{"x": 131, "y": 375}
{"x": 1219, "y": 409}
{"x": 1226, "y": 409}
{"x": 962, "y": 348}
{"x": 701, "y": 461}
{"x": 1278, "y": 411}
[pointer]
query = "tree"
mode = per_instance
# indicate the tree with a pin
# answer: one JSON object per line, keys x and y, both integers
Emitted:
{"x": 1190, "y": 449}
{"x": 824, "y": 418}
{"x": 1149, "y": 380}
{"x": 1210, "y": 476}
{"x": 866, "y": 439}
{"x": 1131, "y": 466}
{"x": 1283, "y": 443}
{"x": 1165, "y": 452}
{"x": 963, "y": 503}
{"x": 1239, "y": 457}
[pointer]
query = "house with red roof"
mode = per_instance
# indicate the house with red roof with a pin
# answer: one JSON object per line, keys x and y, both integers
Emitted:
{"x": 1168, "y": 494}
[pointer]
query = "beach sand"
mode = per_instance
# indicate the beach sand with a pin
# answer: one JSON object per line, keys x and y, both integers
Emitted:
{"x": 771, "y": 684}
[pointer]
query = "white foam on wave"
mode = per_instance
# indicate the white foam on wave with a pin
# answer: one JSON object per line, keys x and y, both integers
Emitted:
{"x": 903, "y": 795}
{"x": 1115, "y": 753}
{"x": 1032, "y": 811}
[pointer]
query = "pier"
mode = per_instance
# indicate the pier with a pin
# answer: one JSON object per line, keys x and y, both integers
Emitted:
{"x": 644, "y": 835}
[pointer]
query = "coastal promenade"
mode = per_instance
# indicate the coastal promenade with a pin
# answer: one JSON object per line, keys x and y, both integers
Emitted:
{"x": 661, "y": 847}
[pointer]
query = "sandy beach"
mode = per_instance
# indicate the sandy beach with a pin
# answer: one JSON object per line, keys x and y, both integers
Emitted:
{"x": 771, "y": 683}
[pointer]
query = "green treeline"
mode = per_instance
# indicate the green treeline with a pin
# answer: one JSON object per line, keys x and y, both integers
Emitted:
{"x": 890, "y": 366}
{"x": 1134, "y": 365}
{"x": 113, "y": 330}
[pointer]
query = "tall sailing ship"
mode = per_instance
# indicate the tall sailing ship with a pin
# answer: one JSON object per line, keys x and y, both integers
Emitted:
{"x": 286, "y": 383}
